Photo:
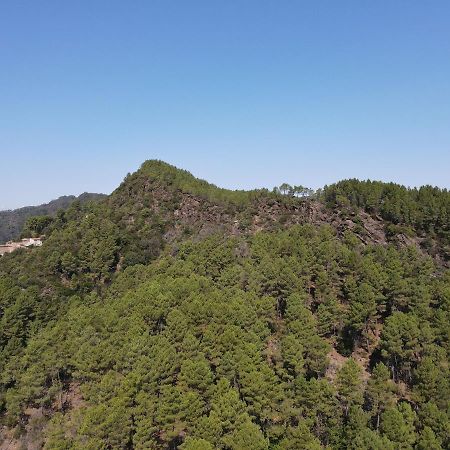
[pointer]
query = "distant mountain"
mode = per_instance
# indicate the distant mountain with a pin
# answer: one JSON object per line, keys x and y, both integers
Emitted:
{"x": 12, "y": 221}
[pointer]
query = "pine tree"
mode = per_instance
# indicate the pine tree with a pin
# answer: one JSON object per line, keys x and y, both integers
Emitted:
{"x": 428, "y": 441}
{"x": 246, "y": 436}
{"x": 379, "y": 391}
{"x": 363, "y": 311}
{"x": 349, "y": 385}
{"x": 397, "y": 424}
{"x": 300, "y": 438}
{"x": 429, "y": 384}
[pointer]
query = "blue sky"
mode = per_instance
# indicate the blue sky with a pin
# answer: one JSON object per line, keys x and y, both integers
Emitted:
{"x": 243, "y": 93}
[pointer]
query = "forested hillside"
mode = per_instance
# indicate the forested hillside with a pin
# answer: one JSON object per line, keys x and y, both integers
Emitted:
{"x": 425, "y": 211}
{"x": 177, "y": 315}
{"x": 12, "y": 221}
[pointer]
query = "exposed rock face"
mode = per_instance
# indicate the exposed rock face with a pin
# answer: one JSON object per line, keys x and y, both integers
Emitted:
{"x": 202, "y": 217}
{"x": 188, "y": 207}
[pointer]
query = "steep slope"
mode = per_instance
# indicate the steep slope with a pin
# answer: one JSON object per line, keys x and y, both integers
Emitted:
{"x": 12, "y": 221}
{"x": 424, "y": 212}
{"x": 175, "y": 314}
{"x": 188, "y": 206}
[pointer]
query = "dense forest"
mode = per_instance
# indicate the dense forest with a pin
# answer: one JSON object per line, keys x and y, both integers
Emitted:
{"x": 12, "y": 221}
{"x": 174, "y": 314}
{"x": 426, "y": 209}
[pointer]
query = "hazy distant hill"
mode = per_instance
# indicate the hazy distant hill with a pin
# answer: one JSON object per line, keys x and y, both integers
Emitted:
{"x": 11, "y": 221}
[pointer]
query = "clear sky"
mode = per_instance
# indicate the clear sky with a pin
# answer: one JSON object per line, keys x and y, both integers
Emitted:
{"x": 246, "y": 93}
